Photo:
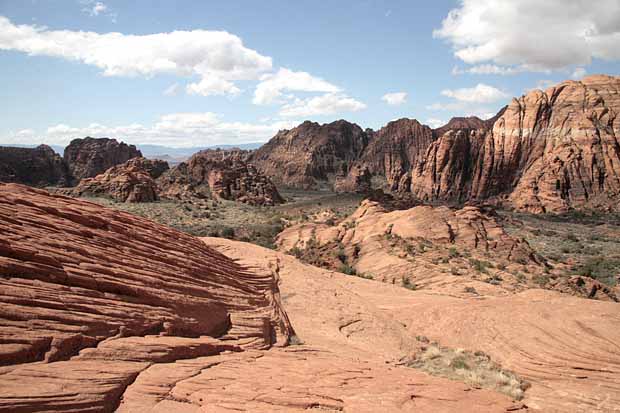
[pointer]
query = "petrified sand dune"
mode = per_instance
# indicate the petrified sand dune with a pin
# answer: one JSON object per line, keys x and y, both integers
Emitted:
{"x": 567, "y": 347}
{"x": 385, "y": 244}
{"x": 92, "y": 297}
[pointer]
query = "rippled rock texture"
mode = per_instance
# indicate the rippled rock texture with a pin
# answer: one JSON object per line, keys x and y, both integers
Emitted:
{"x": 93, "y": 298}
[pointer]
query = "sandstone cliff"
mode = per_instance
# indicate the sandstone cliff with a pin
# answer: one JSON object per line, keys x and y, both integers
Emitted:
{"x": 311, "y": 155}
{"x": 548, "y": 151}
{"x": 221, "y": 174}
{"x": 89, "y": 157}
{"x": 39, "y": 166}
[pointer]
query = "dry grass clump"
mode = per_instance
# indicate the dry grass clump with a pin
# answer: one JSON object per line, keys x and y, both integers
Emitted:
{"x": 476, "y": 369}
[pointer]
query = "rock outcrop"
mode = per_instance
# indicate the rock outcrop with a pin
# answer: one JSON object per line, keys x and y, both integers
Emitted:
{"x": 89, "y": 157}
{"x": 548, "y": 151}
{"x": 565, "y": 347}
{"x": 417, "y": 246}
{"x": 94, "y": 299}
{"x": 39, "y": 166}
{"x": 220, "y": 174}
{"x": 311, "y": 155}
{"x": 132, "y": 181}
{"x": 395, "y": 149}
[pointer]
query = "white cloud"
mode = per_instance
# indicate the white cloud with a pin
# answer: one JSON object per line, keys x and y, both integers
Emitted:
{"x": 271, "y": 86}
{"x": 481, "y": 93}
{"x": 533, "y": 35}
{"x": 327, "y": 104}
{"x": 172, "y": 90}
{"x": 395, "y": 99}
{"x": 578, "y": 73}
{"x": 435, "y": 123}
{"x": 487, "y": 69}
{"x": 206, "y": 54}
{"x": 98, "y": 8}
{"x": 175, "y": 129}
{"x": 210, "y": 86}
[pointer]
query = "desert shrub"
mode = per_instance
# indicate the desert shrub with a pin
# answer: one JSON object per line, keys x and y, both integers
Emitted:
{"x": 406, "y": 282}
{"x": 480, "y": 265}
{"x": 471, "y": 290}
{"x": 600, "y": 268}
{"x": 453, "y": 252}
{"x": 454, "y": 271}
{"x": 228, "y": 232}
{"x": 347, "y": 269}
{"x": 541, "y": 279}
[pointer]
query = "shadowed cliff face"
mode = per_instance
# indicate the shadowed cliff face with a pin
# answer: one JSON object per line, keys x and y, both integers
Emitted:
{"x": 311, "y": 154}
{"x": 38, "y": 166}
{"x": 90, "y": 157}
{"x": 547, "y": 152}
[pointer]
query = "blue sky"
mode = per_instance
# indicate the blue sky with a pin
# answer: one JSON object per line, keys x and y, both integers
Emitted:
{"x": 197, "y": 73}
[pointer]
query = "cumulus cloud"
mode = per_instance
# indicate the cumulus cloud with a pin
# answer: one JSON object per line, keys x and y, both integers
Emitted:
{"x": 98, "y": 8}
{"x": 533, "y": 35}
{"x": 487, "y": 69}
{"x": 218, "y": 58}
{"x": 327, "y": 104}
{"x": 481, "y": 93}
{"x": 395, "y": 99}
{"x": 435, "y": 123}
{"x": 176, "y": 129}
{"x": 271, "y": 86}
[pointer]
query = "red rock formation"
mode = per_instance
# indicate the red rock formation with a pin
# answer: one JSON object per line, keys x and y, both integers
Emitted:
{"x": 311, "y": 154}
{"x": 547, "y": 152}
{"x": 358, "y": 180}
{"x": 93, "y": 297}
{"x": 39, "y": 166}
{"x": 90, "y": 157}
{"x": 223, "y": 174}
{"x": 132, "y": 181}
{"x": 396, "y": 148}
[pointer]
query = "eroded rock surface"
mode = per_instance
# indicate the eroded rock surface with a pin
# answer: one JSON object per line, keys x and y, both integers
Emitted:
{"x": 219, "y": 174}
{"x": 92, "y": 298}
{"x": 39, "y": 166}
{"x": 311, "y": 154}
{"x": 132, "y": 181}
{"x": 416, "y": 247}
{"x": 566, "y": 347}
{"x": 548, "y": 151}
{"x": 89, "y": 157}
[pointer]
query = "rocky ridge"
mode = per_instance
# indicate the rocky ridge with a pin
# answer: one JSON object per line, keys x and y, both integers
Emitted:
{"x": 39, "y": 166}
{"x": 220, "y": 174}
{"x": 132, "y": 181}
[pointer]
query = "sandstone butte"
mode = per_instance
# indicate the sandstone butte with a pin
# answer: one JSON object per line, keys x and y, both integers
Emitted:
{"x": 38, "y": 166}
{"x": 89, "y": 157}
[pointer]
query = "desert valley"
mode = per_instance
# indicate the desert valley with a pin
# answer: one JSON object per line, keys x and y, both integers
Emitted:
{"x": 468, "y": 265}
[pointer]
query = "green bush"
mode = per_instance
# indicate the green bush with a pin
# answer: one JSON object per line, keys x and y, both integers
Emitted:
{"x": 600, "y": 268}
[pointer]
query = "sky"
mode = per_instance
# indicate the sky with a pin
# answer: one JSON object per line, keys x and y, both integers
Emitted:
{"x": 200, "y": 73}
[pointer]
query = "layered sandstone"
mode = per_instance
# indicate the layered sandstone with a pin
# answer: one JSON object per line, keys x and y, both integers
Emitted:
{"x": 311, "y": 155}
{"x": 89, "y": 157}
{"x": 410, "y": 246}
{"x": 564, "y": 346}
{"x": 94, "y": 299}
{"x": 132, "y": 181}
{"x": 219, "y": 174}
{"x": 39, "y": 166}
{"x": 548, "y": 151}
